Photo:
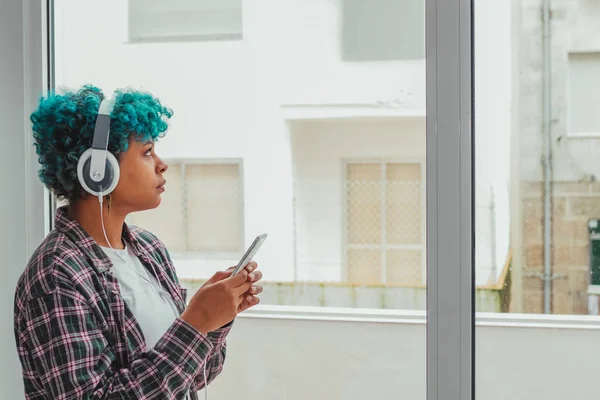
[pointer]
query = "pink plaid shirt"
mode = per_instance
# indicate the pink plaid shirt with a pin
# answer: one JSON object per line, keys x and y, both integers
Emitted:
{"x": 77, "y": 339}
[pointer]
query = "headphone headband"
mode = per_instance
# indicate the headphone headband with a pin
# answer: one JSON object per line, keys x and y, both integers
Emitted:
{"x": 100, "y": 140}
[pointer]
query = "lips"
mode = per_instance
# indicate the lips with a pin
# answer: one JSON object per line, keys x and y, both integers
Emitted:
{"x": 162, "y": 185}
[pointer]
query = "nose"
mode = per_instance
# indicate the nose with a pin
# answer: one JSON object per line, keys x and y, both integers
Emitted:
{"x": 161, "y": 166}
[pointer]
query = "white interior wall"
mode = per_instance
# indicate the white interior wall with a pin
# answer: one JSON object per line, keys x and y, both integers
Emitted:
{"x": 12, "y": 202}
{"x": 375, "y": 355}
{"x": 22, "y": 205}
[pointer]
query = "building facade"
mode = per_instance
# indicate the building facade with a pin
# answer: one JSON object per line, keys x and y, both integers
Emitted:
{"x": 559, "y": 112}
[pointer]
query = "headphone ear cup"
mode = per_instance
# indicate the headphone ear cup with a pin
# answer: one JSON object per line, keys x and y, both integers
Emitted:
{"x": 111, "y": 174}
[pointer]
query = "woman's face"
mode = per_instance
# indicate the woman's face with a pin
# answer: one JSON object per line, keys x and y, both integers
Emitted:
{"x": 141, "y": 182}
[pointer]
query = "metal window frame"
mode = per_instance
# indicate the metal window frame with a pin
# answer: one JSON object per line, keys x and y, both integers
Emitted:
{"x": 47, "y": 66}
{"x": 450, "y": 243}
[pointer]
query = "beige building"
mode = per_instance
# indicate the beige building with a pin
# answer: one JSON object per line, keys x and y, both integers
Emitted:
{"x": 560, "y": 109}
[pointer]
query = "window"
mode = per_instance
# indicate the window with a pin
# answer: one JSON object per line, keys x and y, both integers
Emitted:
{"x": 594, "y": 263}
{"x": 201, "y": 210}
{"x": 536, "y": 141}
{"x": 184, "y": 20}
{"x": 384, "y": 223}
{"x": 533, "y": 252}
{"x": 383, "y": 30}
{"x": 584, "y": 93}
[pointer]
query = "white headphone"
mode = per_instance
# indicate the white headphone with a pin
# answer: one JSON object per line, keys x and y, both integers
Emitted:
{"x": 98, "y": 169}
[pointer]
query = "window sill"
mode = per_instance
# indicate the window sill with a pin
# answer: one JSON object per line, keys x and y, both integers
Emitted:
{"x": 330, "y": 314}
{"x": 335, "y": 314}
{"x": 205, "y": 256}
{"x": 234, "y": 37}
{"x": 583, "y": 135}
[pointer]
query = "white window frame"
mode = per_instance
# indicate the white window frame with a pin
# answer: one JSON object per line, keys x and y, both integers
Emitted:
{"x": 449, "y": 176}
{"x": 383, "y": 161}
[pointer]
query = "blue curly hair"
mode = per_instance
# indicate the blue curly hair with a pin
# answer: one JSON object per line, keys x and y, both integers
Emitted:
{"x": 63, "y": 126}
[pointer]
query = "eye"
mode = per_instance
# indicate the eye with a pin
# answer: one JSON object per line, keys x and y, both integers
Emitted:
{"x": 148, "y": 152}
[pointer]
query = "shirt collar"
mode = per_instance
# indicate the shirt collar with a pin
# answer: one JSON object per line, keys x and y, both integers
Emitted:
{"x": 74, "y": 231}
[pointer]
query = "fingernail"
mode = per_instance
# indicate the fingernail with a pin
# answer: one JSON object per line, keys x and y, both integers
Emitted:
{"x": 252, "y": 276}
{"x": 249, "y": 298}
{"x": 253, "y": 290}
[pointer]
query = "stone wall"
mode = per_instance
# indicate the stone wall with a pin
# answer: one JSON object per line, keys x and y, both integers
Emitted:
{"x": 573, "y": 204}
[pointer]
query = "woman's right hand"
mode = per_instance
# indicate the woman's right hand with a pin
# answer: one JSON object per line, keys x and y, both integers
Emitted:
{"x": 217, "y": 302}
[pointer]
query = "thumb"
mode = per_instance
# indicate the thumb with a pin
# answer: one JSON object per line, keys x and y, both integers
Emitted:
{"x": 218, "y": 276}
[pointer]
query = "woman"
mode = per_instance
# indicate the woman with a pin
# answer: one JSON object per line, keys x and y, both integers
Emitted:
{"x": 99, "y": 311}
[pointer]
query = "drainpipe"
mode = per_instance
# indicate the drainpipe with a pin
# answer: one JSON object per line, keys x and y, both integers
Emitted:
{"x": 547, "y": 151}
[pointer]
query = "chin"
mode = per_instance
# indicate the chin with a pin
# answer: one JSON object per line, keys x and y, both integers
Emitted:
{"x": 157, "y": 202}
{"x": 149, "y": 205}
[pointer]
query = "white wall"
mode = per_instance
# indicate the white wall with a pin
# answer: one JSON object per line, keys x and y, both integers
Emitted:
{"x": 22, "y": 196}
{"x": 376, "y": 355}
{"x": 318, "y": 149}
{"x": 574, "y": 29}
{"x": 12, "y": 204}
{"x": 308, "y": 33}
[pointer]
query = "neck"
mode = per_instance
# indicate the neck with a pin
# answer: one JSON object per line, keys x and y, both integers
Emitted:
{"x": 88, "y": 214}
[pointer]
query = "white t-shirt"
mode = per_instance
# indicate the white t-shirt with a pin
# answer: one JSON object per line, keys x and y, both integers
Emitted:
{"x": 151, "y": 305}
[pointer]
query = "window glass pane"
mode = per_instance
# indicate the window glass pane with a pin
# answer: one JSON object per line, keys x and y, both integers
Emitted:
{"x": 379, "y": 30}
{"x": 404, "y": 204}
{"x": 537, "y": 198}
{"x": 405, "y": 266}
{"x": 583, "y": 93}
{"x": 333, "y": 164}
{"x": 309, "y": 127}
{"x": 154, "y": 20}
{"x": 364, "y": 266}
{"x": 213, "y": 205}
{"x": 364, "y": 201}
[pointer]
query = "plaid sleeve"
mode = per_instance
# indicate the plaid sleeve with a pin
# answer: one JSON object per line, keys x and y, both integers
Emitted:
{"x": 216, "y": 359}
{"x": 73, "y": 359}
